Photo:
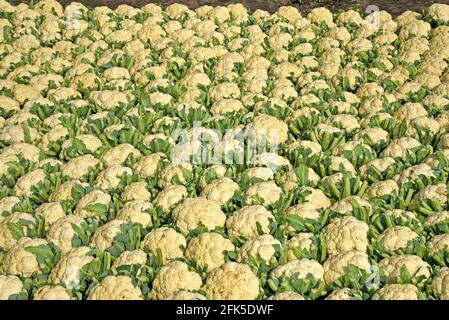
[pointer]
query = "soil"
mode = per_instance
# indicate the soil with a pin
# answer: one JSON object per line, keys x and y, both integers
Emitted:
{"x": 395, "y": 7}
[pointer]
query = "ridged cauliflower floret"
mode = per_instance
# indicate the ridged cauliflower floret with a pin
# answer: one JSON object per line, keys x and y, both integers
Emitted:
{"x": 167, "y": 240}
{"x": 18, "y": 261}
{"x": 7, "y": 238}
{"x": 91, "y": 142}
{"x": 415, "y": 172}
{"x": 193, "y": 212}
{"x": 136, "y": 191}
{"x": 115, "y": 288}
{"x": 243, "y": 222}
{"x": 382, "y": 188}
{"x": 436, "y": 192}
{"x": 397, "y": 292}
{"x": 171, "y": 171}
{"x": 436, "y": 218}
{"x": 173, "y": 277}
{"x": 302, "y": 241}
{"x": 340, "y": 294}
{"x": 51, "y": 293}
{"x": 134, "y": 211}
{"x": 345, "y": 206}
{"x": 401, "y": 147}
{"x": 186, "y": 295}
{"x": 270, "y": 128}
{"x": 110, "y": 178}
{"x": 57, "y": 133}
{"x": 302, "y": 267}
{"x": 440, "y": 283}
{"x": 317, "y": 198}
{"x": 287, "y": 295}
{"x": 414, "y": 265}
{"x": 438, "y": 243}
{"x": 168, "y": 198}
{"x": 16, "y": 134}
{"x": 67, "y": 270}
{"x": 289, "y": 181}
{"x": 108, "y": 99}
{"x": 104, "y": 235}
{"x": 7, "y": 204}
{"x": 410, "y": 111}
{"x": 395, "y": 238}
{"x": 262, "y": 247}
{"x": 220, "y": 190}
{"x": 260, "y": 173}
{"x": 439, "y": 11}
{"x": 79, "y": 167}
{"x": 146, "y": 166}
{"x": 9, "y": 286}
{"x": 231, "y": 281}
{"x": 306, "y": 210}
{"x": 65, "y": 190}
{"x": 118, "y": 155}
{"x": 208, "y": 249}
{"x": 92, "y": 198}
{"x": 226, "y": 105}
{"x": 62, "y": 232}
{"x": 130, "y": 257}
{"x": 336, "y": 266}
{"x": 267, "y": 191}
{"x": 25, "y": 183}
{"x": 346, "y": 234}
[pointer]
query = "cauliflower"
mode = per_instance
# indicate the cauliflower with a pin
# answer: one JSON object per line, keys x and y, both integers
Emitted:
{"x": 61, "y": 232}
{"x": 302, "y": 267}
{"x": 264, "y": 193}
{"x": 194, "y": 212}
{"x": 104, "y": 235}
{"x": 130, "y": 257}
{"x": 243, "y": 222}
{"x": 115, "y": 288}
{"x": 440, "y": 284}
{"x": 51, "y": 293}
{"x": 168, "y": 198}
{"x": 10, "y": 286}
{"x": 136, "y": 191}
{"x": 414, "y": 265}
{"x": 269, "y": 128}
{"x": 208, "y": 250}
{"x": 336, "y": 266}
{"x": 287, "y": 295}
{"x": 67, "y": 270}
{"x": 220, "y": 190}
{"x": 110, "y": 178}
{"x": 397, "y": 292}
{"x": 173, "y": 277}
{"x": 136, "y": 211}
{"x": 395, "y": 238}
{"x": 231, "y": 281}
{"x": 263, "y": 247}
{"x": 21, "y": 262}
{"x": 20, "y": 221}
{"x": 346, "y": 234}
{"x": 167, "y": 240}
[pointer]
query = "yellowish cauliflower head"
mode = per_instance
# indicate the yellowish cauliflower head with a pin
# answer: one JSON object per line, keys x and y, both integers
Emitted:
{"x": 208, "y": 249}
{"x": 193, "y": 212}
{"x": 115, "y": 288}
{"x": 173, "y": 277}
{"x": 231, "y": 281}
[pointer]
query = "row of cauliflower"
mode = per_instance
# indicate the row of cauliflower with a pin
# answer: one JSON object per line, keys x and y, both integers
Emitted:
{"x": 101, "y": 197}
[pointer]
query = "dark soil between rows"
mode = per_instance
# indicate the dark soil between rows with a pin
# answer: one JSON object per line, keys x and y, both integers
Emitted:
{"x": 394, "y": 7}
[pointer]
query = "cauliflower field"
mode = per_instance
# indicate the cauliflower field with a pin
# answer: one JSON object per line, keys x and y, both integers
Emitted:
{"x": 214, "y": 153}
